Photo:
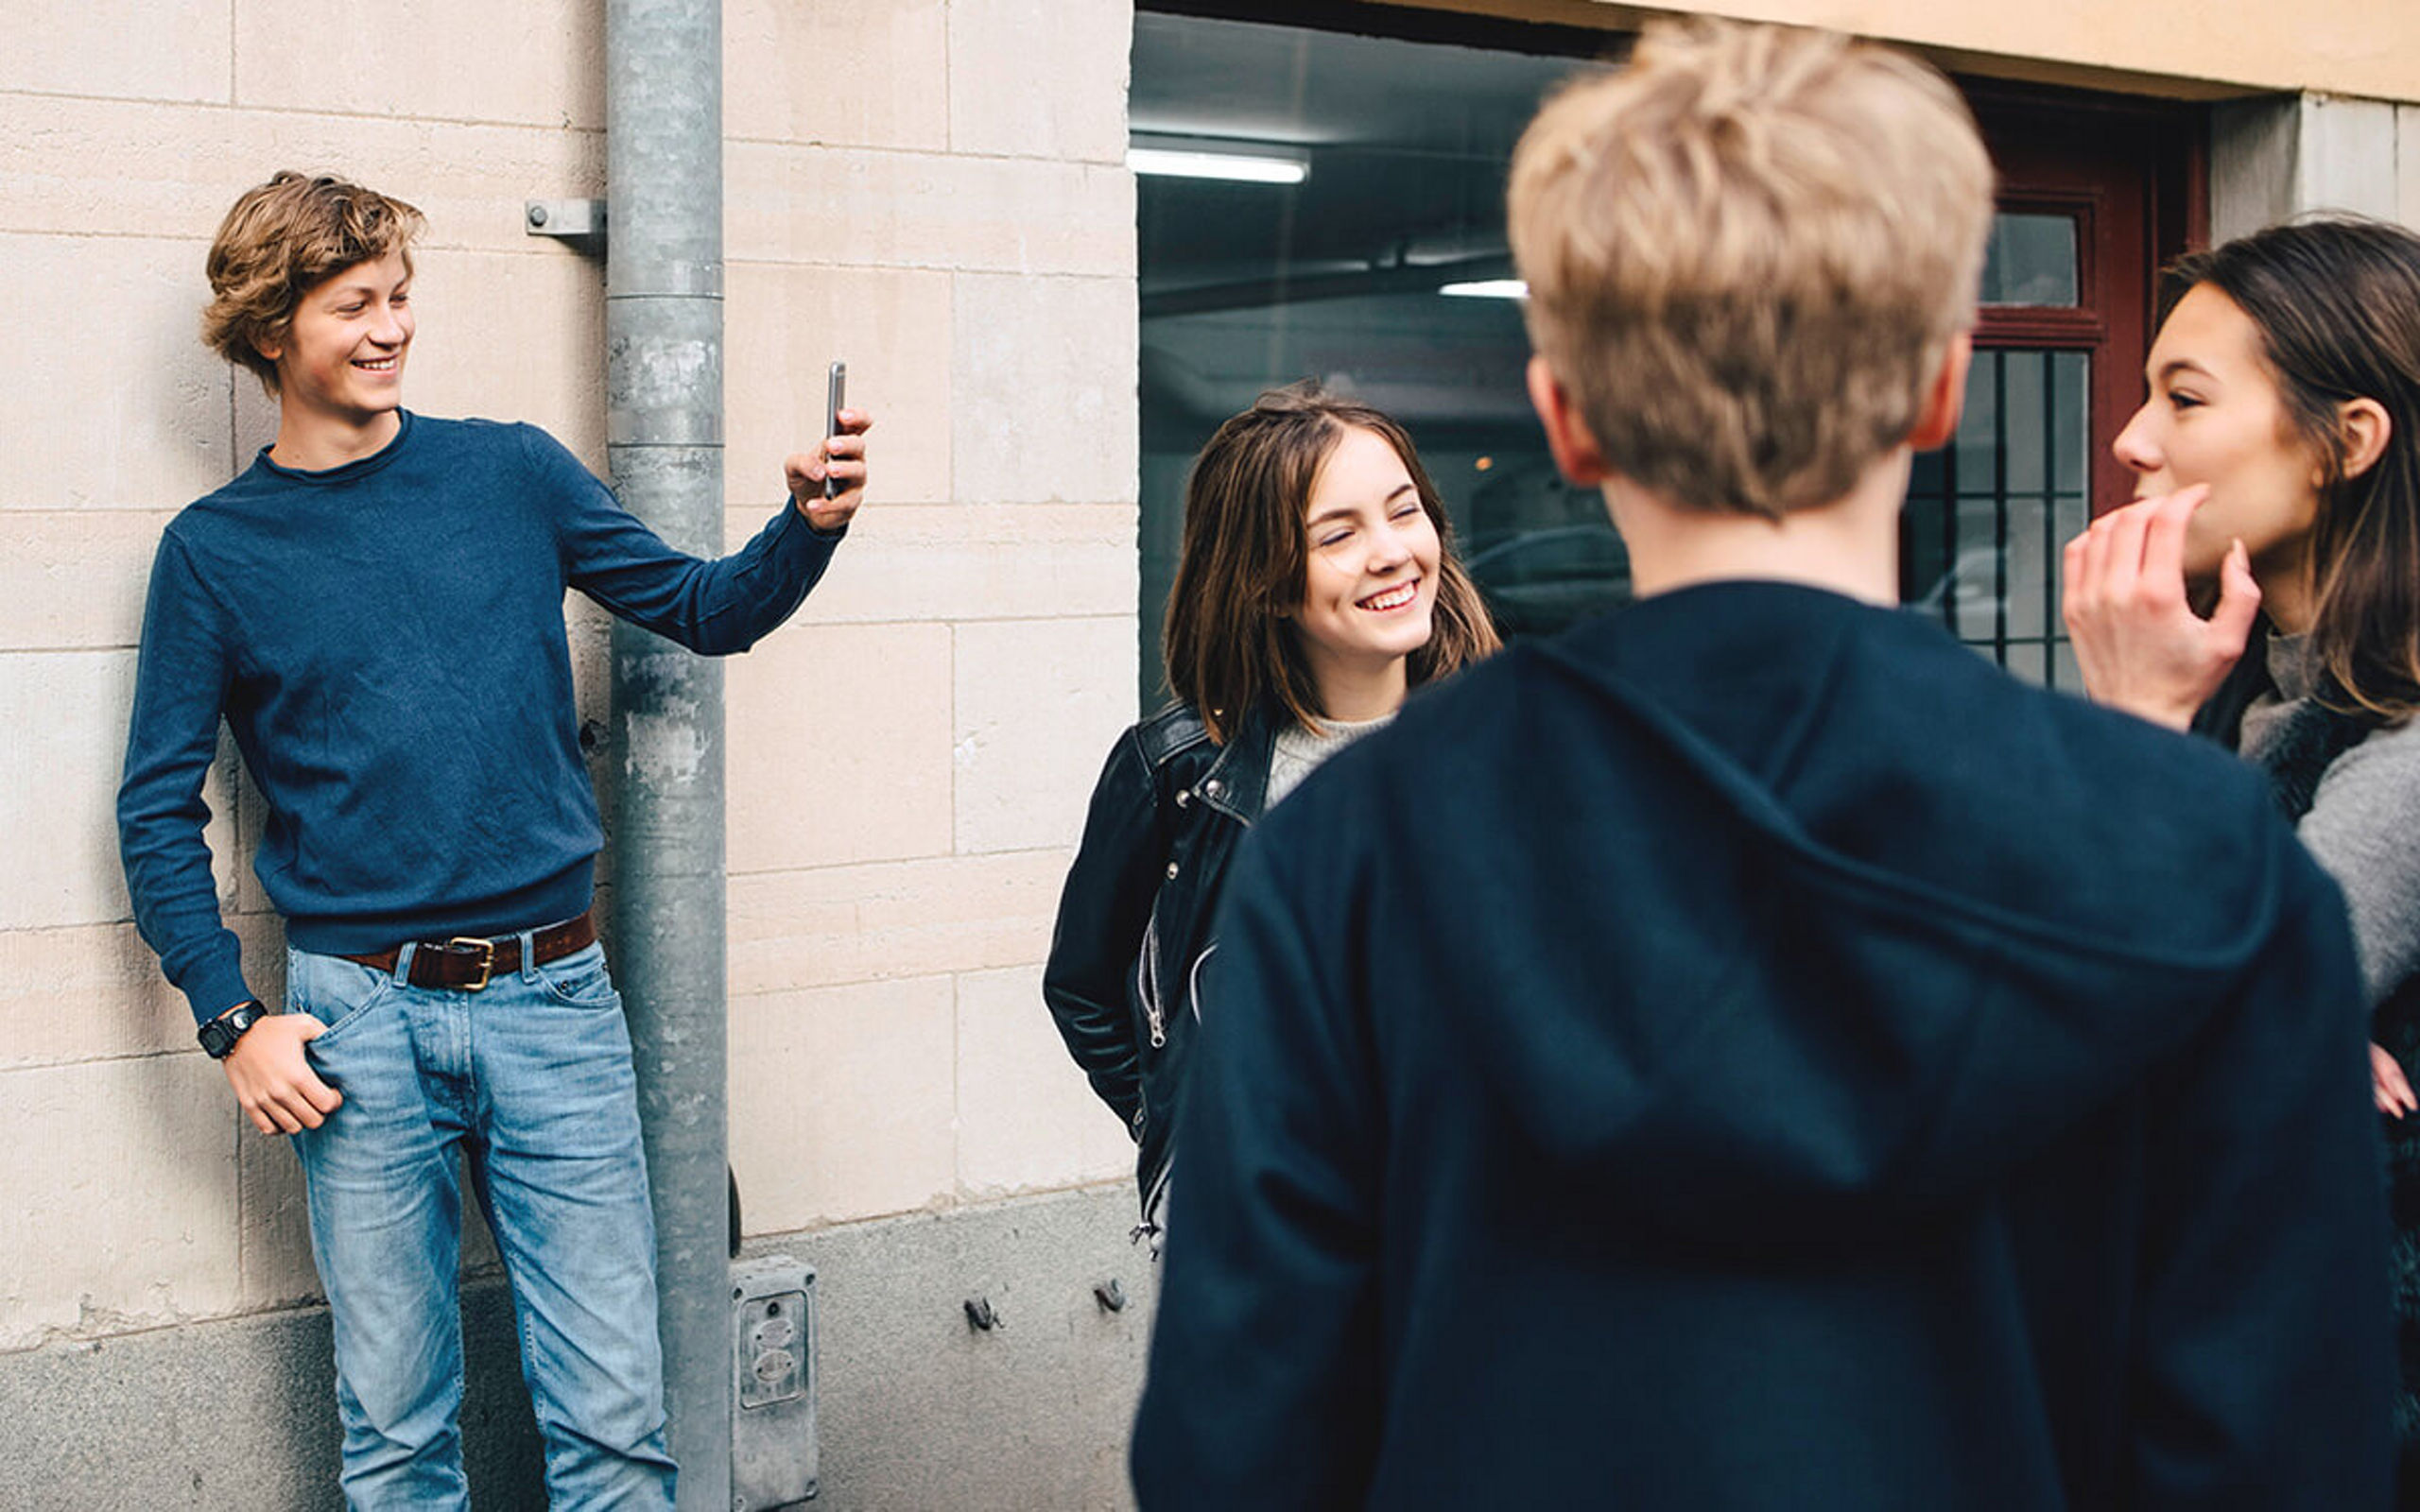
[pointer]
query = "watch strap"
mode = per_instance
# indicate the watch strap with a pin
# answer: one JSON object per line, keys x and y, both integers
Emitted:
{"x": 220, "y": 1035}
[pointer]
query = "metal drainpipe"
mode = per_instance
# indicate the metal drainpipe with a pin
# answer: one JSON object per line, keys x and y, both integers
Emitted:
{"x": 664, "y": 446}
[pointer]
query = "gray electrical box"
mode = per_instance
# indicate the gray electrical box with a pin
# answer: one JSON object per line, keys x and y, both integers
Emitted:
{"x": 772, "y": 1399}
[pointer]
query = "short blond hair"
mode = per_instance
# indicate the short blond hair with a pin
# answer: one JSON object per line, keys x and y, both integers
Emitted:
{"x": 1747, "y": 252}
{"x": 278, "y": 241}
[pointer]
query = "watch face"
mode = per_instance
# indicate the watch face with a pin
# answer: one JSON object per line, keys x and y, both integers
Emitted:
{"x": 220, "y": 1035}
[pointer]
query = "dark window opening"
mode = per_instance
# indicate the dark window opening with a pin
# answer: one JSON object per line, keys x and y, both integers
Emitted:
{"x": 1372, "y": 184}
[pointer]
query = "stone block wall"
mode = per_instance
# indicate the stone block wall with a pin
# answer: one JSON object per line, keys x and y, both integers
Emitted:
{"x": 933, "y": 190}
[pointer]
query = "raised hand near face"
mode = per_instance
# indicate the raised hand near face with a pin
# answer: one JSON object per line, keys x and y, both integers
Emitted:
{"x": 2138, "y": 642}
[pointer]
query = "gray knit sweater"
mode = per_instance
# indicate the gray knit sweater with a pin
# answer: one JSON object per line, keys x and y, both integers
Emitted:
{"x": 2364, "y": 821}
{"x": 1298, "y": 751}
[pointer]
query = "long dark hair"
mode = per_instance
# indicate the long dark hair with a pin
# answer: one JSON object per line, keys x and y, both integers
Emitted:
{"x": 2337, "y": 302}
{"x": 1227, "y": 640}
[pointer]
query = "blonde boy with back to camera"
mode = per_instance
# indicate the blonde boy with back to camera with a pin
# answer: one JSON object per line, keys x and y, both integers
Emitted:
{"x": 1749, "y": 1052}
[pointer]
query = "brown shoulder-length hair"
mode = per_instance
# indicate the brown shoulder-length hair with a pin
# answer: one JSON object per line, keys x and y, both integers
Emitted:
{"x": 2337, "y": 302}
{"x": 1228, "y": 639}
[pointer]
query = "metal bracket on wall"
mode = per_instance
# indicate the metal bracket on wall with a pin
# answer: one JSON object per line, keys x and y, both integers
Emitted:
{"x": 773, "y": 1444}
{"x": 580, "y": 221}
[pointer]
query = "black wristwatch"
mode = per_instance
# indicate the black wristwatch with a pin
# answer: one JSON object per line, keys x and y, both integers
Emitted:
{"x": 220, "y": 1035}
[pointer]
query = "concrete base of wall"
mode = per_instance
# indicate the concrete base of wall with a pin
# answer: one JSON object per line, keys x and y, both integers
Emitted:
{"x": 918, "y": 1408}
{"x": 236, "y": 1414}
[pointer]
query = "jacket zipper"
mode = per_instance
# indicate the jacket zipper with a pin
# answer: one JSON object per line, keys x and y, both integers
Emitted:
{"x": 1151, "y": 1228}
{"x": 1193, "y": 980}
{"x": 1149, "y": 969}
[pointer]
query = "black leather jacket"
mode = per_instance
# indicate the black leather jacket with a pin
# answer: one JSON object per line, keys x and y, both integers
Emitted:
{"x": 1134, "y": 925}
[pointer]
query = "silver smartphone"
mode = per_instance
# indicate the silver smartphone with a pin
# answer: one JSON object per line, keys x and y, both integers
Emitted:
{"x": 836, "y": 392}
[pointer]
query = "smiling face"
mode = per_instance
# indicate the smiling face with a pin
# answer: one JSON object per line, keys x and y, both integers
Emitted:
{"x": 340, "y": 364}
{"x": 1369, "y": 578}
{"x": 2216, "y": 416}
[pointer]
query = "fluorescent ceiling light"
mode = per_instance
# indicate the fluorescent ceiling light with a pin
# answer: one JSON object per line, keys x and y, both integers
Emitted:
{"x": 1487, "y": 288}
{"x": 1212, "y": 158}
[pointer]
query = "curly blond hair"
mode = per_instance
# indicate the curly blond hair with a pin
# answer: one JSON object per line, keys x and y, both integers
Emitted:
{"x": 280, "y": 240}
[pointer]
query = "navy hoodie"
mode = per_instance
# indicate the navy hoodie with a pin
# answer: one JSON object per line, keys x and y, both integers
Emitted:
{"x": 1752, "y": 1054}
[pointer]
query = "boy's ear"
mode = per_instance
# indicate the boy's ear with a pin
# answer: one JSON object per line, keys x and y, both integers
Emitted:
{"x": 1944, "y": 397}
{"x": 1575, "y": 452}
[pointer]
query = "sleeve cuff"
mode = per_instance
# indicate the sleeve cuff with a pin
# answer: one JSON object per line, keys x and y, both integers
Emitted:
{"x": 216, "y": 988}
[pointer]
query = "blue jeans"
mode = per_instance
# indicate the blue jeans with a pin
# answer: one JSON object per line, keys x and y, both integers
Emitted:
{"x": 531, "y": 1077}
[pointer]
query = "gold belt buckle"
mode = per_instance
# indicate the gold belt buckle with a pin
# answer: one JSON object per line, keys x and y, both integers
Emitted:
{"x": 483, "y": 949}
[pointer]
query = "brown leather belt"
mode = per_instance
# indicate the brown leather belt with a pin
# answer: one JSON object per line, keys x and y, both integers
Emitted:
{"x": 466, "y": 962}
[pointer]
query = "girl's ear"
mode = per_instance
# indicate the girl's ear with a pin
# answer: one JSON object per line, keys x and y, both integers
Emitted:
{"x": 2363, "y": 427}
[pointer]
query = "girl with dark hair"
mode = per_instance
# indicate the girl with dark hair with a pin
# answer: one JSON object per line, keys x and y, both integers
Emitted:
{"x": 1315, "y": 588}
{"x": 2278, "y": 467}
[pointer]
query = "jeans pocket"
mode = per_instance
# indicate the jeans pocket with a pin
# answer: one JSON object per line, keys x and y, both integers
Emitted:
{"x": 334, "y": 990}
{"x": 580, "y": 980}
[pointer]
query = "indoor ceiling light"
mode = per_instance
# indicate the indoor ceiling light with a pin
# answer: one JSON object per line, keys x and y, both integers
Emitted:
{"x": 1179, "y": 157}
{"x": 1487, "y": 288}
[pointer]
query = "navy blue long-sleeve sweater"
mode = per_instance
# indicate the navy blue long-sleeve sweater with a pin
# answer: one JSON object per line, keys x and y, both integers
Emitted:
{"x": 386, "y": 640}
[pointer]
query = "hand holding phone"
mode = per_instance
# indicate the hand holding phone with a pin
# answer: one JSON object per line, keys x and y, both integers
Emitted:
{"x": 836, "y": 390}
{"x": 818, "y": 489}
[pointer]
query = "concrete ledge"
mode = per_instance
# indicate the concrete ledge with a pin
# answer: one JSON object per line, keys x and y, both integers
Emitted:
{"x": 236, "y": 1414}
{"x": 918, "y": 1408}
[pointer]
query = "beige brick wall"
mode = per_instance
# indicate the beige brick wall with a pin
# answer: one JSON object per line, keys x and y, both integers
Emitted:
{"x": 2189, "y": 47}
{"x": 970, "y": 253}
{"x": 906, "y": 187}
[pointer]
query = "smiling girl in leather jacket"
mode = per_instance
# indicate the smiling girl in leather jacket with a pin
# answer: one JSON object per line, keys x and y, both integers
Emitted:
{"x": 1316, "y": 587}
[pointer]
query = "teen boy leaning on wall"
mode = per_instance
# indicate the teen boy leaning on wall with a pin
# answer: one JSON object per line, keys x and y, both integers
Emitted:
{"x": 375, "y": 607}
{"x": 1749, "y": 1052}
